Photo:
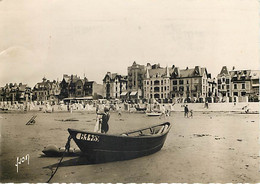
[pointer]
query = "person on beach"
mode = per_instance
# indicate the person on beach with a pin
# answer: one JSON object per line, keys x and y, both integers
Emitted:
{"x": 68, "y": 107}
{"x": 206, "y": 104}
{"x": 186, "y": 111}
{"x": 104, "y": 120}
{"x": 191, "y": 113}
{"x": 163, "y": 111}
{"x": 120, "y": 112}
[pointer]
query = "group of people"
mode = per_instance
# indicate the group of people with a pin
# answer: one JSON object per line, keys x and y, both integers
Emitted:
{"x": 187, "y": 112}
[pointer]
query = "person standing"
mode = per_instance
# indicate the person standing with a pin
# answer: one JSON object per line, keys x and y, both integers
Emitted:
{"x": 120, "y": 112}
{"x": 186, "y": 111}
{"x": 104, "y": 120}
{"x": 163, "y": 111}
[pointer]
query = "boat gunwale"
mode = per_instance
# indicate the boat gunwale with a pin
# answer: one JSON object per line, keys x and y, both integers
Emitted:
{"x": 131, "y": 132}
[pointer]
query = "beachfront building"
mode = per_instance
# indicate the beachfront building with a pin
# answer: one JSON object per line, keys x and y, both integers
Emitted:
{"x": 156, "y": 83}
{"x": 115, "y": 86}
{"x": 255, "y": 81}
{"x": 46, "y": 91}
{"x": 16, "y": 93}
{"x": 224, "y": 84}
{"x": 238, "y": 85}
{"x": 64, "y": 87}
{"x": 212, "y": 89}
{"x": 93, "y": 89}
{"x": 135, "y": 74}
{"x": 77, "y": 89}
{"x": 244, "y": 84}
{"x": 189, "y": 84}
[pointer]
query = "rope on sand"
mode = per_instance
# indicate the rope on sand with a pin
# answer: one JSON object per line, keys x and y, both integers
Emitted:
{"x": 67, "y": 148}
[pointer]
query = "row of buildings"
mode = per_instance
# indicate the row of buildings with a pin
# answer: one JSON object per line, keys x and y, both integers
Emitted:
{"x": 145, "y": 82}
{"x": 189, "y": 84}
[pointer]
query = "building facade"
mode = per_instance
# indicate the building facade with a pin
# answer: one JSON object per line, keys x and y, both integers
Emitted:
{"x": 16, "y": 93}
{"x": 115, "y": 86}
{"x": 135, "y": 74}
{"x": 189, "y": 84}
{"x": 238, "y": 85}
{"x": 224, "y": 83}
{"x": 46, "y": 91}
{"x": 156, "y": 83}
{"x": 73, "y": 87}
{"x": 242, "y": 84}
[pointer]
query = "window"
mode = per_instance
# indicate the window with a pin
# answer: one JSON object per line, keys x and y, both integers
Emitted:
{"x": 227, "y": 81}
{"x": 235, "y": 86}
{"x": 243, "y": 93}
{"x": 235, "y": 93}
{"x": 187, "y": 81}
{"x": 188, "y": 89}
{"x": 156, "y": 89}
{"x": 174, "y": 82}
{"x": 223, "y": 79}
{"x": 161, "y": 95}
{"x": 156, "y": 82}
{"x": 227, "y": 86}
{"x": 147, "y": 82}
{"x": 223, "y": 86}
{"x": 181, "y": 82}
{"x": 161, "y": 82}
{"x": 161, "y": 88}
{"x": 167, "y": 87}
{"x": 219, "y": 81}
{"x": 181, "y": 88}
{"x": 174, "y": 88}
{"x": 173, "y": 95}
{"x": 243, "y": 86}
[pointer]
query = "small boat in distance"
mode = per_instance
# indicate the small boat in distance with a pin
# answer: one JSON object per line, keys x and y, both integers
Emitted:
{"x": 153, "y": 113}
{"x": 99, "y": 147}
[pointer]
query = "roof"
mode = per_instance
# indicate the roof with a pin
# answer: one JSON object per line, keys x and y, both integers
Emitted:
{"x": 241, "y": 73}
{"x": 158, "y": 71}
{"x": 255, "y": 74}
{"x": 186, "y": 73}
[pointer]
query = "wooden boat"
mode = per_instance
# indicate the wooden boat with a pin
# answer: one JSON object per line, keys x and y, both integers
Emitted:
{"x": 104, "y": 147}
{"x": 153, "y": 113}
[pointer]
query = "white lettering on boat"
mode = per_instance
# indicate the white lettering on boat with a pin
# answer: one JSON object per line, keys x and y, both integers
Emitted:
{"x": 87, "y": 137}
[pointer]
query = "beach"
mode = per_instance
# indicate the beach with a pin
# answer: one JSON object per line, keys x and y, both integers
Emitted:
{"x": 209, "y": 147}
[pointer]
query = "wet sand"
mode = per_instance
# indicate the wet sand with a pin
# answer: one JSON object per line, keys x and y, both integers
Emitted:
{"x": 210, "y": 147}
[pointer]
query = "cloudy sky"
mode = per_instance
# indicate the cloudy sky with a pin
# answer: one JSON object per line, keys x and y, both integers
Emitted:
{"x": 52, "y": 38}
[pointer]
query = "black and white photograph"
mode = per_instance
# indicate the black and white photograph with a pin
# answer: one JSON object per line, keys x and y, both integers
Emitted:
{"x": 129, "y": 91}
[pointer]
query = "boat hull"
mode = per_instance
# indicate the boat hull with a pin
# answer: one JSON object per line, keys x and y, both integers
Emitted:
{"x": 103, "y": 147}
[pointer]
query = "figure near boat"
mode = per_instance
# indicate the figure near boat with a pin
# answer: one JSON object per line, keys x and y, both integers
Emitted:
{"x": 102, "y": 121}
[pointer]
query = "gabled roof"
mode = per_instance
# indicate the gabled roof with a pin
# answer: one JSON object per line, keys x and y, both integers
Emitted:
{"x": 187, "y": 73}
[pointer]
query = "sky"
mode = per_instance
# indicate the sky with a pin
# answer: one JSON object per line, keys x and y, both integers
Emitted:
{"x": 51, "y": 38}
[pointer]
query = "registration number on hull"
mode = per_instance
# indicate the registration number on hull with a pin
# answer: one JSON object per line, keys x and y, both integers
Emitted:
{"x": 87, "y": 137}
